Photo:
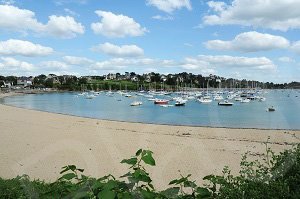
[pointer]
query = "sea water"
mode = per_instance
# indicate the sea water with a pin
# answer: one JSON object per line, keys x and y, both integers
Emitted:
{"x": 117, "y": 107}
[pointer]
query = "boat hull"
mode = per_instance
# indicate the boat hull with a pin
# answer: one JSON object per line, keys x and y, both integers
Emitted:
{"x": 161, "y": 102}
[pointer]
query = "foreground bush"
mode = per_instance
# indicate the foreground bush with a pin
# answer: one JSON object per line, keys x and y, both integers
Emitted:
{"x": 274, "y": 176}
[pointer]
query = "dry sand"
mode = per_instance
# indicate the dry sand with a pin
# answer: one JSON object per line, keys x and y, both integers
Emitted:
{"x": 39, "y": 144}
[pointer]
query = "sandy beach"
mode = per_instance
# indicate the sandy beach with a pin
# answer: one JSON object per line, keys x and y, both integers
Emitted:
{"x": 39, "y": 144}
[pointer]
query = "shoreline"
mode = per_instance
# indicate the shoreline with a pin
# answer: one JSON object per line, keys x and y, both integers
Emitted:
{"x": 39, "y": 143}
{"x": 123, "y": 121}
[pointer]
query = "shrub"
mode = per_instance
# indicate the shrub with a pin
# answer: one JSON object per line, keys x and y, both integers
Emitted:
{"x": 274, "y": 176}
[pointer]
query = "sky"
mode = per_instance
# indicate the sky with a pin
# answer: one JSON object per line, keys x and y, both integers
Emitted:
{"x": 244, "y": 39}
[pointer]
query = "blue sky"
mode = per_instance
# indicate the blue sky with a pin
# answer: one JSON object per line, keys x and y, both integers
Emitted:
{"x": 252, "y": 39}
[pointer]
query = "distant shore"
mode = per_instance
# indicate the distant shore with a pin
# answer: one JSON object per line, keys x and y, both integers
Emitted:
{"x": 39, "y": 144}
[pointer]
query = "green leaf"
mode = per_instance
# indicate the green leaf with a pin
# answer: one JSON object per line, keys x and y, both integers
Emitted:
{"x": 126, "y": 175}
{"x": 68, "y": 176}
{"x": 138, "y": 152}
{"x": 173, "y": 182}
{"x": 107, "y": 194}
{"x": 151, "y": 185}
{"x": 141, "y": 175}
{"x": 209, "y": 177}
{"x": 171, "y": 192}
{"x": 148, "y": 159}
{"x": 67, "y": 168}
{"x": 110, "y": 185}
{"x": 83, "y": 194}
{"x": 189, "y": 184}
{"x": 148, "y": 194}
{"x": 203, "y": 192}
{"x": 125, "y": 195}
{"x": 97, "y": 185}
{"x": 131, "y": 161}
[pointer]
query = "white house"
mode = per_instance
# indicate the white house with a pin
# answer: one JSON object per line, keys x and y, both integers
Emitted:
{"x": 110, "y": 76}
{"x": 6, "y": 85}
{"x": 24, "y": 81}
{"x": 135, "y": 79}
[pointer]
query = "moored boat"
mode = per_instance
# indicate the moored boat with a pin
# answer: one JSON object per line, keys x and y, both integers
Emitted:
{"x": 90, "y": 96}
{"x": 262, "y": 99}
{"x": 225, "y": 103}
{"x": 161, "y": 101}
{"x": 238, "y": 99}
{"x": 180, "y": 102}
{"x": 218, "y": 98}
{"x": 205, "y": 100}
{"x": 136, "y": 103}
{"x": 245, "y": 100}
{"x": 271, "y": 109}
{"x": 128, "y": 95}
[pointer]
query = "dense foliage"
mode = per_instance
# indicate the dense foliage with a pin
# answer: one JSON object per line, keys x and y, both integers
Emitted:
{"x": 275, "y": 176}
{"x": 145, "y": 81}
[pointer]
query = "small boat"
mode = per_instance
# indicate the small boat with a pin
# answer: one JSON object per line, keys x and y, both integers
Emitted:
{"x": 90, "y": 96}
{"x": 262, "y": 99}
{"x": 245, "y": 100}
{"x": 136, "y": 103}
{"x": 218, "y": 98}
{"x": 191, "y": 97}
{"x": 230, "y": 96}
{"x": 180, "y": 103}
{"x": 205, "y": 100}
{"x": 225, "y": 103}
{"x": 238, "y": 99}
{"x": 128, "y": 95}
{"x": 271, "y": 109}
{"x": 81, "y": 94}
{"x": 161, "y": 101}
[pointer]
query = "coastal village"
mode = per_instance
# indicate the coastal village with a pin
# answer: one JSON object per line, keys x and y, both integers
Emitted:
{"x": 186, "y": 80}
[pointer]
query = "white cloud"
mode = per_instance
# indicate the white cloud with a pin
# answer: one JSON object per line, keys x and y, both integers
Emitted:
{"x": 261, "y": 63}
{"x": 12, "y": 64}
{"x": 224, "y": 65}
{"x": 275, "y": 14}
{"x": 296, "y": 47}
{"x": 54, "y": 65}
{"x": 286, "y": 59}
{"x": 63, "y": 27}
{"x": 71, "y": 12}
{"x": 197, "y": 65}
{"x": 24, "y": 48}
{"x": 7, "y": 2}
{"x": 188, "y": 44}
{"x": 121, "y": 63}
{"x": 63, "y": 2}
{"x": 163, "y": 18}
{"x": 170, "y": 5}
{"x": 149, "y": 70}
{"x": 119, "y": 51}
{"x": 112, "y": 25}
{"x": 116, "y": 63}
{"x": 250, "y": 42}
{"x": 21, "y": 20}
{"x": 217, "y": 6}
{"x": 14, "y": 19}
{"x": 72, "y": 60}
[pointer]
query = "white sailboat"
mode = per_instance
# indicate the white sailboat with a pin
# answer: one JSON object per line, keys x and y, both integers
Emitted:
{"x": 136, "y": 103}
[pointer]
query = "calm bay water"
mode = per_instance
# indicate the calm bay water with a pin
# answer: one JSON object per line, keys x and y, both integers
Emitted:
{"x": 240, "y": 115}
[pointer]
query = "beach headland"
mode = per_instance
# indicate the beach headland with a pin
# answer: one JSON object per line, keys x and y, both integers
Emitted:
{"x": 38, "y": 144}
